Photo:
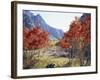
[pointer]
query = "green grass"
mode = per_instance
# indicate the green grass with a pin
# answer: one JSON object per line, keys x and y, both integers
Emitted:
{"x": 43, "y": 61}
{"x": 75, "y": 62}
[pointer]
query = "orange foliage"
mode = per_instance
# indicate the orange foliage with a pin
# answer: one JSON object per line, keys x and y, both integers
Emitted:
{"x": 35, "y": 38}
{"x": 79, "y": 30}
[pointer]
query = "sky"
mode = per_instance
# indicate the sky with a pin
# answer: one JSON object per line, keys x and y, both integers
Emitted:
{"x": 59, "y": 20}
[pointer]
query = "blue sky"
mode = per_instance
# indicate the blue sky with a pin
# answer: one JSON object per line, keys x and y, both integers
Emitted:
{"x": 58, "y": 20}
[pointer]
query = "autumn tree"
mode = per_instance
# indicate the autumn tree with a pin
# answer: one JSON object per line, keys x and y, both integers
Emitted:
{"x": 33, "y": 39}
{"x": 78, "y": 36}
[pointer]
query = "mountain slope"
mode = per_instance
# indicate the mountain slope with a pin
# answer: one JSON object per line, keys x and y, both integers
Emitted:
{"x": 30, "y": 20}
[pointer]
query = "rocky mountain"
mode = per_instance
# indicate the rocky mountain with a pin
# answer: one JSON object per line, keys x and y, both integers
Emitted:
{"x": 30, "y": 20}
